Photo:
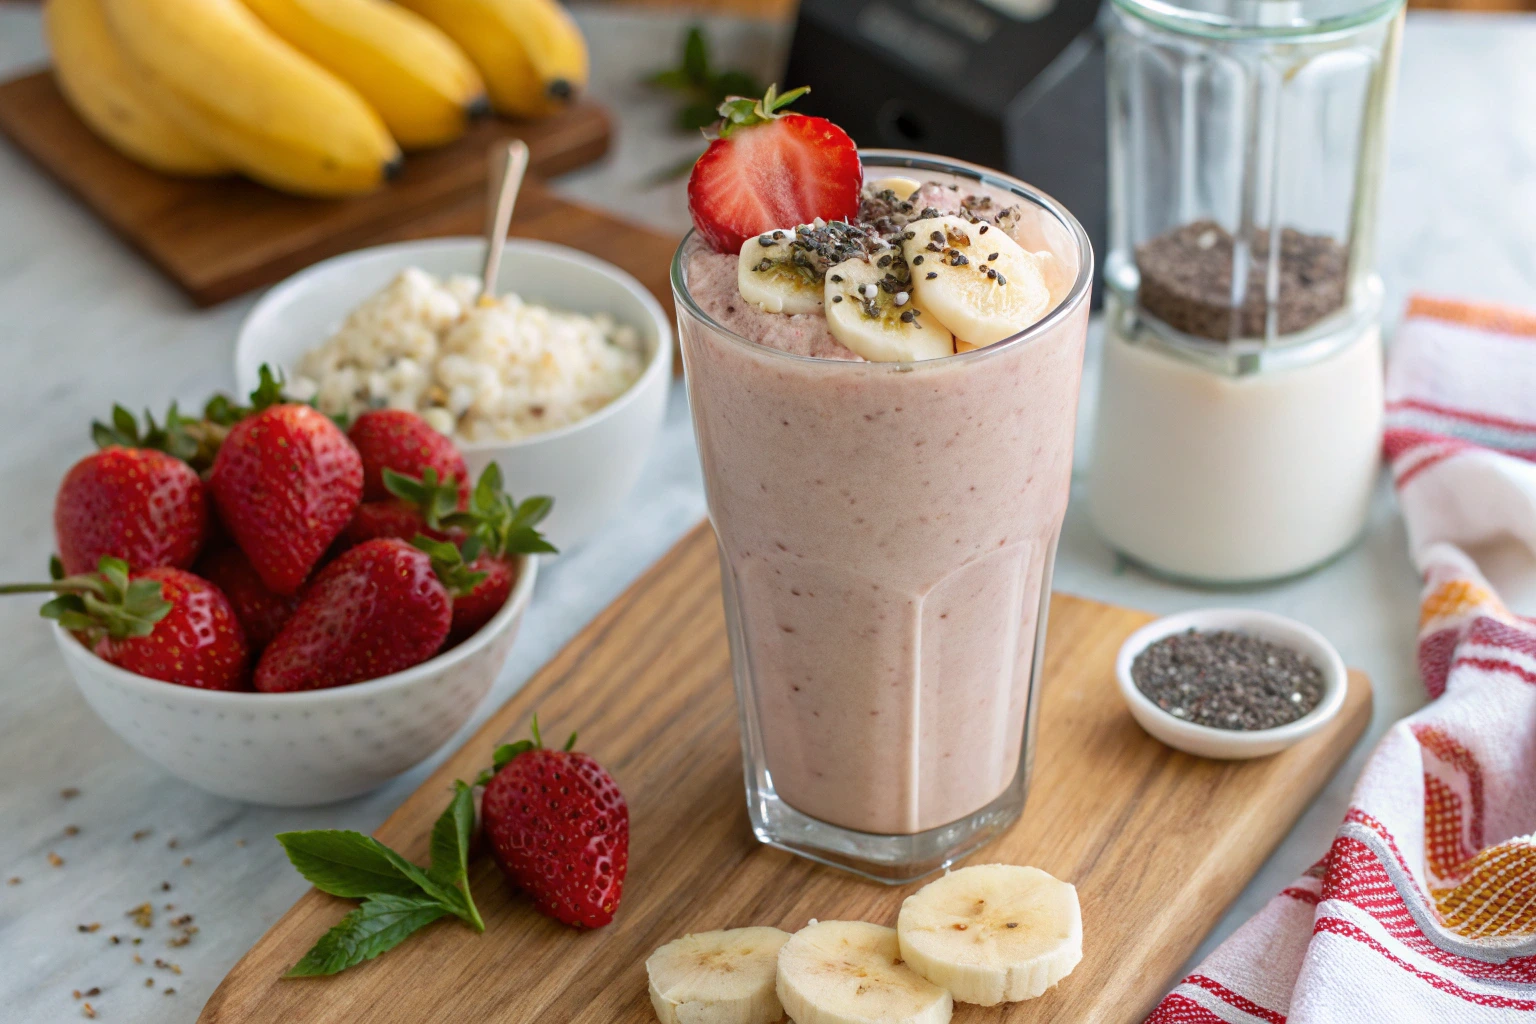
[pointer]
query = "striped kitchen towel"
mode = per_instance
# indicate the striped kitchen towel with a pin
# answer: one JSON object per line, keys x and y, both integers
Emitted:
{"x": 1424, "y": 909}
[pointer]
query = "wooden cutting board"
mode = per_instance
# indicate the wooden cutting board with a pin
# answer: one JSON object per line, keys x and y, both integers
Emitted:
{"x": 218, "y": 238}
{"x": 1157, "y": 842}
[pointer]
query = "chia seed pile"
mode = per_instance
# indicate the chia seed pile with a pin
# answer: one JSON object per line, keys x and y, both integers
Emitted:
{"x": 1186, "y": 281}
{"x": 1228, "y": 680}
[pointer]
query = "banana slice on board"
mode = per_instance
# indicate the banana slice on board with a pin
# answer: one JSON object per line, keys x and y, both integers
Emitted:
{"x": 724, "y": 977}
{"x": 992, "y": 933}
{"x": 776, "y": 277}
{"x": 850, "y": 972}
{"x": 872, "y": 310}
{"x": 982, "y": 284}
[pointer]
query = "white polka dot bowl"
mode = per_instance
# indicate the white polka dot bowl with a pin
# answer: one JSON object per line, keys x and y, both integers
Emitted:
{"x": 299, "y": 749}
{"x": 1233, "y": 744}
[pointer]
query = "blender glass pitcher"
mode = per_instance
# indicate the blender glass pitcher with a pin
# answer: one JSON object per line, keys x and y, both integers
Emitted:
{"x": 1239, "y": 416}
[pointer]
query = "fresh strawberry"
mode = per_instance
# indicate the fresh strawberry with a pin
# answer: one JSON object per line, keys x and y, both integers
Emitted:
{"x": 480, "y": 603}
{"x": 393, "y": 518}
{"x": 479, "y": 587}
{"x": 260, "y": 611}
{"x": 480, "y": 571}
{"x": 164, "y": 623}
{"x": 417, "y": 507}
{"x": 140, "y": 505}
{"x": 559, "y": 828}
{"x": 377, "y": 609}
{"x": 400, "y": 440}
{"x": 286, "y": 481}
{"x": 767, "y": 168}
{"x": 194, "y": 440}
{"x": 199, "y": 643}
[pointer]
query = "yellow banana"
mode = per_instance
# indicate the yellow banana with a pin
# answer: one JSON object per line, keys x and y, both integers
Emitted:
{"x": 531, "y": 53}
{"x": 109, "y": 97}
{"x": 238, "y": 88}
{"x": 420, "y": 82}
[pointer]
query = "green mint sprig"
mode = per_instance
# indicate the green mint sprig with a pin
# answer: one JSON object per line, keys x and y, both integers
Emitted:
{"x": 398, "y": 897}
{"x": 700, "y": 87}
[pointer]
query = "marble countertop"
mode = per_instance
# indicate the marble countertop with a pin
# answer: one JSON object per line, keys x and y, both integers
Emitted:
{"x": 85, "y": 322}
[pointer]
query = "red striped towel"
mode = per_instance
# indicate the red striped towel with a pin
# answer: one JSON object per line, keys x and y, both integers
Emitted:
{"x": 1424, "y": 909}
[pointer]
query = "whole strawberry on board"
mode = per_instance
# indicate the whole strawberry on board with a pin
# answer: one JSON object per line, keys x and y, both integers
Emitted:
{"x": 164, "y": 623}
{"x": 559, "y": 829}
{"x": 286, "y": 481}
{"x": 260, "y": 611}
{"x": 378, "y": 608}
{"x": 400, "y": 440}
{"x": 137, "y": 504}
{"x": 768, "y": 168}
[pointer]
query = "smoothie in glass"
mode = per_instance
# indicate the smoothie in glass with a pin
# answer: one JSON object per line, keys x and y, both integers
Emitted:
{"x": 887, "y": 529}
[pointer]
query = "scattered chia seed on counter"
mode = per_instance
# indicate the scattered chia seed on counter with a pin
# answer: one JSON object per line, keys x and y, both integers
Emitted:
{"x": 1228, "y": 680}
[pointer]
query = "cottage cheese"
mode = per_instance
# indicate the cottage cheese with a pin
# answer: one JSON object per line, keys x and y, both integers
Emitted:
{"x": 493, "y": 372}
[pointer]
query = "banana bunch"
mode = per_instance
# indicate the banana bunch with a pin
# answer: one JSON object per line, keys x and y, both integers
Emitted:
{"x": 988, "y": 934}
{"x": 313, "y": 97}
{"x": 531, "y": 53}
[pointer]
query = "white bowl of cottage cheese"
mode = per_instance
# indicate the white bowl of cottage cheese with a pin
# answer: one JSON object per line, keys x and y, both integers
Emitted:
{"x": 562, "y": 380}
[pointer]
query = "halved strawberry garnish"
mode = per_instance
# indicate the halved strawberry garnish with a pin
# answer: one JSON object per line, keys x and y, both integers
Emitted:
{"x": 767, "y": 168}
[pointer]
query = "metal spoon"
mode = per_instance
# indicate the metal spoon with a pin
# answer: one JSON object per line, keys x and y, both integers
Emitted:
{"x": 507, "y": 165}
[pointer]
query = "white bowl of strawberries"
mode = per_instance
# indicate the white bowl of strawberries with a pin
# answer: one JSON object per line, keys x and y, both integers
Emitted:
{"x": 278, "y": 611}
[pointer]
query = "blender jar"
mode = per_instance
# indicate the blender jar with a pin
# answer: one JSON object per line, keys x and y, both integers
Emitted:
{"x": 1239, "y": 417}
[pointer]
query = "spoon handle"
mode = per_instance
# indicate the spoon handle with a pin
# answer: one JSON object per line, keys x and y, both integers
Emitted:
{"x": 507, "y": 165}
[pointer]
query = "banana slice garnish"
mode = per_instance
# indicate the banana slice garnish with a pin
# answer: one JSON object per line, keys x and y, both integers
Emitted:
{"x": 872, "y": 310}
{"x": 722, "y": 977}
{"x": 992, "y": 933}
{"x": 778, "y": 277}
{"x": 850, "y": 972}
{"x": 976, "y": 279}
{"x": 902, "y": 187}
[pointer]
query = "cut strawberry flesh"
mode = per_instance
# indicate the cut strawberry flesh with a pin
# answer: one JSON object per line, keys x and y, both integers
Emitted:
{"x": 776, "y": 175}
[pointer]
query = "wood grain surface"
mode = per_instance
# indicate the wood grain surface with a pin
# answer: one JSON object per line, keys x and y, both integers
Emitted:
{"x": 1157, "y": 842}
{"x": 218, "y": 238}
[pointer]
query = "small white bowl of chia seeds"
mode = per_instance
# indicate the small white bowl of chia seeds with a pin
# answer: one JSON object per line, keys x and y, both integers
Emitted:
{"x": 1230, "y": 683}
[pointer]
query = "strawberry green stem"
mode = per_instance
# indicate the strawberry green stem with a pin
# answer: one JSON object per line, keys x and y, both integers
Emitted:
{"x": 73, "y": 585}
{"x": 107, "y": 602}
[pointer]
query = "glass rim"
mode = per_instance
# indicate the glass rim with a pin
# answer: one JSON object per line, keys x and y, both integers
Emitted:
{"x": 1082, "y": 286}
{"x": 1170, "y": 15}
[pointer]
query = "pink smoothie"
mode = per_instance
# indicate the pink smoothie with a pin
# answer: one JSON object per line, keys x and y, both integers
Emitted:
{"x": 886, "y": 534}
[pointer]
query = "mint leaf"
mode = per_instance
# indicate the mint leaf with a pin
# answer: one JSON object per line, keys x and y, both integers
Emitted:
{"x": 695, "y": 57}
{"x": 700, "y": 87}
{"x": 398, "y": 896}
{"x": 447, "y": 895}
{"x": 380, "y": 924}
{"x": 347, "y": 864}
{"x": 450, "y": 848}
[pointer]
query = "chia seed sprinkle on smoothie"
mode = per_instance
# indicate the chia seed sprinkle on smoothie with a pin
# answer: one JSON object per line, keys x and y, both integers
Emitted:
{"x": 1228, "y": 680}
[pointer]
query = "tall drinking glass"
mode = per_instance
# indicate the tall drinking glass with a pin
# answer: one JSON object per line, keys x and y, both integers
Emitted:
{"x": 887, "y": 533}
